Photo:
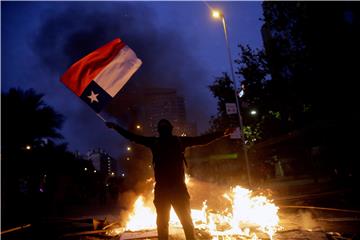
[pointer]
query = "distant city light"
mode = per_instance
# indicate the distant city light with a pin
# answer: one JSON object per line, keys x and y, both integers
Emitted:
{"x": 112, "y": 173}
{"x": 128, "y": 148}
{"x": 85, "y": 169}
{"x": 94, "y": 171}
{"x": 253, "y": 112}
{"x": 128, "y": 158}
{"x": 138, "y": 126}
{"x": 28, "y": 147}
{"x": 123, "y": 174}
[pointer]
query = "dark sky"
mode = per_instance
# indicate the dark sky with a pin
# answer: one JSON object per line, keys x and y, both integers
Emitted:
{"x": 180, "y": 45}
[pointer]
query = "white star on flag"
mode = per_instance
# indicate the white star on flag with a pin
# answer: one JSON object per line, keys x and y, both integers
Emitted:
{"x": 93, "y": 97}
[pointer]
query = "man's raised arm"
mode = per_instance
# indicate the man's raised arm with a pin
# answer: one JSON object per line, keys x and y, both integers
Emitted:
{"x": 129, "y": 135}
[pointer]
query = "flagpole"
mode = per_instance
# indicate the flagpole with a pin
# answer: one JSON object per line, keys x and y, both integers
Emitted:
{"x": 101, "y": 117}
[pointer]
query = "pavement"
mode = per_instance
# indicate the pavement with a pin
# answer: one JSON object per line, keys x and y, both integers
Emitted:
{"x": 308, "y": 210}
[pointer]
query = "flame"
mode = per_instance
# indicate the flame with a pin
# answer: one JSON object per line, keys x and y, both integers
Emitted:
{"x": 187, "y": 178}
{"x": 142, "y": 218}
{"x": 248, "y": 211}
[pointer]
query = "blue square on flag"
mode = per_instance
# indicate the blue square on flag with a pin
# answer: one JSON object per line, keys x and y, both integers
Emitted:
{"x": 95, "y": 96}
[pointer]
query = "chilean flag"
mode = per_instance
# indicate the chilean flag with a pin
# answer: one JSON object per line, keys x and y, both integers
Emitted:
{"x": 100, "y": 75}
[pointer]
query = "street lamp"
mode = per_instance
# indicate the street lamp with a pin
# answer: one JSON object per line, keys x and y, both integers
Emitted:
{"x": 217, "y": 14}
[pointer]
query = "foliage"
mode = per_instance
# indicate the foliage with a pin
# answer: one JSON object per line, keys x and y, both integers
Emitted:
{"x": 305, "y": 72}
{"x": 310, "y": 48}
{"x": 27, "y": 119}
{"x": 222, "y": 89}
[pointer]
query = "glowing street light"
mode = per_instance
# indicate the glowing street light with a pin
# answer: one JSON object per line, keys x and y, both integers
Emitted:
{"x": 253, "y": 112}
{"x": 128, "y": 148}
{"x": 219, "y": 15}
{"x": 28, "y": 147}
{"x": 138, "y": 126}
{"x": 216, "y": 14}
{"x": 85, "y": 169}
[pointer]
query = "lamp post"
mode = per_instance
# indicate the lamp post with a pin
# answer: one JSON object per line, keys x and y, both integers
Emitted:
{"x": 219, "y": 15}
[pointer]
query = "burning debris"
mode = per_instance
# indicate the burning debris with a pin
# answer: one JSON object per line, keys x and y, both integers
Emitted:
{"x": 249, "y": 216}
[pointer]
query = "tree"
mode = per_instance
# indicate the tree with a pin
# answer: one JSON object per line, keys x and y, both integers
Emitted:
{"x": 27, "y": 119}
{"x": 305, "y": 78}
{"x": 30, "y": 158}
{"x": 222, "y": 89}
{"x": 310, "y": 49}
{"x": 252, "y": 68}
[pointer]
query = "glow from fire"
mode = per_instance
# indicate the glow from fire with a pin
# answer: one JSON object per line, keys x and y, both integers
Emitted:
{"x": 142, "y": 218}
{"x": 187, "y": 178}
{"x": 247, "y": 212}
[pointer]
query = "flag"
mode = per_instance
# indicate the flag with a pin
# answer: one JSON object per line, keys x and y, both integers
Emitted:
{"x": 99, "y": 76}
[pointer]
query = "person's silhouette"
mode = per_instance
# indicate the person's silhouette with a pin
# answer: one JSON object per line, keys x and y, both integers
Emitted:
{"x": 168, "y": 160}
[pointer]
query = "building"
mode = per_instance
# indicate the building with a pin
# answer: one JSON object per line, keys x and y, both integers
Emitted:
{"x": 102, "y": 161}
{"x": 165, "y": 103}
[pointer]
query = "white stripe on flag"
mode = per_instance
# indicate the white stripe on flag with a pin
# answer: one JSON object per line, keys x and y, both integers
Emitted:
{"x": 114, "y": 76}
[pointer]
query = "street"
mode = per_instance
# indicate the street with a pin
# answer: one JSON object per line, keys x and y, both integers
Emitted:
{"x": 307, "y": 210}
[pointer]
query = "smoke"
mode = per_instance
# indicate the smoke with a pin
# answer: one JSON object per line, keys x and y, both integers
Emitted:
{"x": 299, "y": 220}
{"x": 68, "y": 33}
{"x": 306, "y": 220}
{"x": 80, "y": 28}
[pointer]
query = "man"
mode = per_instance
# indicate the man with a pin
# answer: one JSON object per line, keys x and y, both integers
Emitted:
{"x": 168, "y": 160}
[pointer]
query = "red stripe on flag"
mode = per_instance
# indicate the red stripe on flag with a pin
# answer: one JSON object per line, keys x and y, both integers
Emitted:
{"x": 81, "y": 73}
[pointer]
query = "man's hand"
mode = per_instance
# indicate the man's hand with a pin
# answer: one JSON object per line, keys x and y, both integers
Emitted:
{"x": 111, "y": 125}
{"x": 229, "y": 131}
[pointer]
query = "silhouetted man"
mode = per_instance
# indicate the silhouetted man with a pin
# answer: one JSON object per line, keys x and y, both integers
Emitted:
{"x": 168, "y": 159}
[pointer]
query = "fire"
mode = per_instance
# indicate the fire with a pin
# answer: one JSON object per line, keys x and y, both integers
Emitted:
{"x": 142, "y": 218}
{"x": 247, "y": 212}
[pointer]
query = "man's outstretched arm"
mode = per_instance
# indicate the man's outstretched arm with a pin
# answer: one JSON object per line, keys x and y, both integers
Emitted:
{"x": 129, "y": 135}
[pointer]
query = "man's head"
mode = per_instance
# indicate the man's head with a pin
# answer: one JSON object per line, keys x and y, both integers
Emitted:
{"x": 164, "y": 128}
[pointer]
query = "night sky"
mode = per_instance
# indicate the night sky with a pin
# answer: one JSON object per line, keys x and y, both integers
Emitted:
{"x": 180, "y": 45}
